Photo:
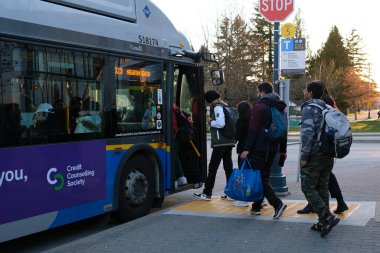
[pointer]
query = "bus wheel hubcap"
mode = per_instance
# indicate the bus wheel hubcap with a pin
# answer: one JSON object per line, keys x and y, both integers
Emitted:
{"x": 136, "y": 188}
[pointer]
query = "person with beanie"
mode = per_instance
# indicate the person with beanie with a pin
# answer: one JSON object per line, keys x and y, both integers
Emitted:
{"x": 221, "y": 145}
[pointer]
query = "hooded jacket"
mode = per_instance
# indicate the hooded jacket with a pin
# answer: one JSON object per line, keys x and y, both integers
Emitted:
{"x": 311, "y": 122}
{"x": 261, "y": 118}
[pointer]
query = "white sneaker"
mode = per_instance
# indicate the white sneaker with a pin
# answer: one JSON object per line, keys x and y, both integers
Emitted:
{"x": 240, "y": 203}
{"x": 202, "y": 196}
{"x": 181, "y": 181}
{"x": 225, "y": 197}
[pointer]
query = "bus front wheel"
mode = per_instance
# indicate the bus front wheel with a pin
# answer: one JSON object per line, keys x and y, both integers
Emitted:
{"x": 136, "y": 189}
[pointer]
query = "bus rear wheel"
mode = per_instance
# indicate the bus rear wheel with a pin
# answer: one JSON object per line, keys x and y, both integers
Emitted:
{"x": 136, "y": 189}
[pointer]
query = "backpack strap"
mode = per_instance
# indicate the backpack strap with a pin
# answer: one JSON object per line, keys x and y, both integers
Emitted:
{"x": 221, "y": 103}
{"x": 323, "y": 118}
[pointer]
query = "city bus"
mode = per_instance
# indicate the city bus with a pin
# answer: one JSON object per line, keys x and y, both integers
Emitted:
{"x": 86, "y": 106}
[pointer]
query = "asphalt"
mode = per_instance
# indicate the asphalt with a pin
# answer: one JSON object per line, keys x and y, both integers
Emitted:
{"x": 169, "y": 230}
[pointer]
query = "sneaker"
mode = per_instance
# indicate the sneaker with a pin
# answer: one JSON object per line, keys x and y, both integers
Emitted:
{"x": 225, "y": 197}
{"x": 307, "y": 209}
{"x": 317, "y": 227}
{"x": 328, "y": 225}
{"x": 202, "y": 196}
{"x": 181, "y": 181}
{"x": 279, "y": 210}
{"x": 341, "y": 208}
{"x": 255, "y": 211}
{"x": 240, "y": 203}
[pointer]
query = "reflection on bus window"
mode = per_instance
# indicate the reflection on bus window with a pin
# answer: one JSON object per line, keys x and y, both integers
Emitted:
{"x": 137, "y": 96}
{"x": 38, "y": 78}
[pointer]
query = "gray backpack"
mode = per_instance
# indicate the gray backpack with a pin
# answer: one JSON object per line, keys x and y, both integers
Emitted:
{"x": 335, "y": 136}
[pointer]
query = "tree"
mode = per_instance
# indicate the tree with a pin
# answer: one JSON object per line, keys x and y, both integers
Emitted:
{"x": 237, "y": 53}
{"x": 335, "y": 50}
{"x": 262, "y": 34}
{"x": 356, "y": 54}
{"x": 329, "y": 64}
{"x": 358, "y": 90}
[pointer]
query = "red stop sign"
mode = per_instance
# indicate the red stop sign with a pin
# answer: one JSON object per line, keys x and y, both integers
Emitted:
{"x": 276, "y": 10}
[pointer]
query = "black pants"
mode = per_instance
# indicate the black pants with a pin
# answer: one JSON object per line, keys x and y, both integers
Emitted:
{"x": 334, "y": 188}
{"x": 263, "y": 162}
{"x": 218, "y": 153}
{"x": 177, "y": 161}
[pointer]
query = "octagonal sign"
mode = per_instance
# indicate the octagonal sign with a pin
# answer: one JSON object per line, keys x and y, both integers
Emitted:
{"x": 276, "y": 10}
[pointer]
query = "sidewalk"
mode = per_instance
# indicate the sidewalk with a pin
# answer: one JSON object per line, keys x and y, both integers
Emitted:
{"x": 173, "y": 229}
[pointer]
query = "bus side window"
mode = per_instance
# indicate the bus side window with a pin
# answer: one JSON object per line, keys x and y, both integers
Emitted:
{"x": 10, "y": 125}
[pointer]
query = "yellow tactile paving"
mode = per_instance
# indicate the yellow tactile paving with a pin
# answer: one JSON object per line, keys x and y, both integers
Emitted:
{"x": 216, "y": 205}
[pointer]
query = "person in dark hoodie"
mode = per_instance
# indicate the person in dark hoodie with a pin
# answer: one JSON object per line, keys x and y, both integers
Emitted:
{"x": 242, "y": 126}
{"x": 260, "y": 150}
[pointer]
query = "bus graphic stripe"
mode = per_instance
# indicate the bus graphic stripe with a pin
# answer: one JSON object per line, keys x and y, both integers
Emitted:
{"x": 128, "y": 146}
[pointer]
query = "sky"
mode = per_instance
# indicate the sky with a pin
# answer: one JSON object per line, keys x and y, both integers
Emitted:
{"x": 198, "y": 20}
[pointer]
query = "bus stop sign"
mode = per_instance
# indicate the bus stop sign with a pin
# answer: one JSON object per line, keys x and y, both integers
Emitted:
{"x": 276, "y": 10}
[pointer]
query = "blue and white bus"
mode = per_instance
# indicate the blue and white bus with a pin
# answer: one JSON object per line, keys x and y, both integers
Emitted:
{"x": 86, "y": 94}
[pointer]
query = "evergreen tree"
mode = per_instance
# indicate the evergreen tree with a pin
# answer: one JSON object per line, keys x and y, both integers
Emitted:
{"x": 354, "y": 45}
{"x": 335, "y": 50}
{"x": 237, "y": 53}
{"x": 329, "y": 64}
{"x": 263, "y": 35}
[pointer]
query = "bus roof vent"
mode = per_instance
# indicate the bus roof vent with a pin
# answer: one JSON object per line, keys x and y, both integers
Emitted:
{"x": 119, "y": 9}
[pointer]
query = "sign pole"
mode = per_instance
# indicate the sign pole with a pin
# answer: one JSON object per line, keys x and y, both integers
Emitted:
{"x": 278, "y": 180}
{"x": 276, "y": 76}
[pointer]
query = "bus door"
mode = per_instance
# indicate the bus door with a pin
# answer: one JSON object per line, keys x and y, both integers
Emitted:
{"x": 188, "y": 96}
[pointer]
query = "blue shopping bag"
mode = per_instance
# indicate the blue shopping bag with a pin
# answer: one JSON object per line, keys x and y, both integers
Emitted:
{"x": 245, "y": 183}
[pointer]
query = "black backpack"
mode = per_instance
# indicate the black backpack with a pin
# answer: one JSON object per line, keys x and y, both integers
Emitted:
{"x": 231, "y": 116}
{"x": 185, "y": 129}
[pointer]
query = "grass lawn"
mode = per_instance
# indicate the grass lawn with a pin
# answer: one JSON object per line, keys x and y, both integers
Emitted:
{"x": 362, "y": 126}
{"x": 365, "y": 126}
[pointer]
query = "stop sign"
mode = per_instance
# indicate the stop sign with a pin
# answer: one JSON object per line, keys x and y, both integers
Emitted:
{"x": 276, "y": 10}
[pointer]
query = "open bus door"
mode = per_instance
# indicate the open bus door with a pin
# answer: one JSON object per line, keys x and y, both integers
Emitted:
{"x": 188, "y": 96}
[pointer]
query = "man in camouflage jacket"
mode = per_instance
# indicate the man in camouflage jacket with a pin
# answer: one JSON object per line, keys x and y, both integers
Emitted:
{"x": 315, "y": 166}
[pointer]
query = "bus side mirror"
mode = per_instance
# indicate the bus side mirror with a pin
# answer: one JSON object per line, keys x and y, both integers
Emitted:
{"x": 217, "y": 77}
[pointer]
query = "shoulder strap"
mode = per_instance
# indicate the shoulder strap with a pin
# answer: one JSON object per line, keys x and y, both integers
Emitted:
{"x": 323, "y": 122}
{"x": 221, "y": 103}
{"x": 317, "y": 105}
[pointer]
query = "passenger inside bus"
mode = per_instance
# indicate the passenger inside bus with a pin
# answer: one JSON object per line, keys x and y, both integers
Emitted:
{"x": 183, "y": 134}
{"x": 60, "y": 116}
{"x": 10, "y": 125}
{"x": 147, "y": 121}
{"x": 85, "y": 122}
{"x": 74, "y": 109}
{"x": 45, "y": 123}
